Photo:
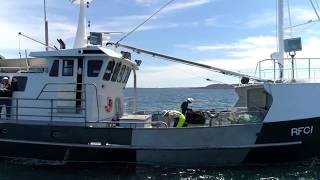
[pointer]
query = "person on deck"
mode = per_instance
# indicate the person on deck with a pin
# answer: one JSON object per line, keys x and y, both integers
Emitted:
{"x": 177, "y": 117}
{"x": 6, "y": 95}
{"x": 184, "y": 106}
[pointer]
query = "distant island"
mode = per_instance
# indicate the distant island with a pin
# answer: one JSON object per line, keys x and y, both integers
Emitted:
{"x": 217, "y": 86}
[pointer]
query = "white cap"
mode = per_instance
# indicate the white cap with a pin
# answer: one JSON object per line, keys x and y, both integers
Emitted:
{"x": 5, "y": 78}
{"x": 190, "y": 100}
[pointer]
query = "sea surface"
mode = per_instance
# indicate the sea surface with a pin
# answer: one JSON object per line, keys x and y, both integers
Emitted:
{"x": 159, "y": 99}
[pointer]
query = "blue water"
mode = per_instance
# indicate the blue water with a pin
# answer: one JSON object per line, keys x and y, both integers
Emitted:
{"x": 158, "y": 99}
{"x": 161, "y": 99}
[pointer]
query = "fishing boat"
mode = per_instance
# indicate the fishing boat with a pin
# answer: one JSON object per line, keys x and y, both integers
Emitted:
{"x": 68, "y": 105}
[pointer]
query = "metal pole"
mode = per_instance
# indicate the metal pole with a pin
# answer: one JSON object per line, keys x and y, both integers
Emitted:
{"x": 292, "y": 66}
{"x": 20, "y": 34}
{"x": 135, "y": 91}
{"x": 17, "y": 111}
{"x": 274, "y": 71}
{"x": 259, "y": 70}
{"x": 280, "y": 37}
{"x": 309, "y": 66}
{"x": 46, "y": 26}
{"x": 51, "y": 111}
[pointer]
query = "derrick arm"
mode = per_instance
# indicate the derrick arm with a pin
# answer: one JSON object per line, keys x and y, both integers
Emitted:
{"x": 190, "y": 63}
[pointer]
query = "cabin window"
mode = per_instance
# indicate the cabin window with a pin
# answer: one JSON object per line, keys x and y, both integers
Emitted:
{"x": 94, "y": 67}
{"x": 19, "y": 83}
{"x": 109, "y": 71}
{"x": 54, "y": 72}
{"x": 116, "y": 72}
{"x": 126, "y": 78}
{"x": 120, "y": 77}
{"x": 67, "y": 69}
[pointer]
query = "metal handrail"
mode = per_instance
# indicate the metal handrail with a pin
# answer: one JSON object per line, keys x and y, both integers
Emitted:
{"x": 84, "y": 91}
{"x": 17, "y": 107}
{"x": 259, "y": 68}
{"x": 115, "y": 123}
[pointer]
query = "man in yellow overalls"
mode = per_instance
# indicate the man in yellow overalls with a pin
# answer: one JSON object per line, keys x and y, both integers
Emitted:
{"x": 177, "y": 117}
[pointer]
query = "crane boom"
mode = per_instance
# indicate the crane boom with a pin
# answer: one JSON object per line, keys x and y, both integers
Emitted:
{"x": 190, "y": 63}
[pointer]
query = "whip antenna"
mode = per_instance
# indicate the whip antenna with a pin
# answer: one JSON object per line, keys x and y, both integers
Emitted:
{"x": 157, "y": 12}
{"x": 46, "y": 26}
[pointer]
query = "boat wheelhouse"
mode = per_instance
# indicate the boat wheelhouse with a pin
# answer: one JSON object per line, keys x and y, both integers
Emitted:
{"x": 78, "y": 85}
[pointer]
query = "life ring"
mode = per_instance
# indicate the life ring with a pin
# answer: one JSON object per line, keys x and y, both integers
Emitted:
{"x": 109, "y": 105}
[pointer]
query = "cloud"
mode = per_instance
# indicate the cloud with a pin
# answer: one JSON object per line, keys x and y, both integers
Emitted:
{"x": 211, "y": 21}
{"x": 125, "y": 23}
{"x": 146, "y": 2}
{"x": 241, "y": 47}
{"x": 299, "y": 15}
{"x": 186, "y": 5}
{"x": 175, "y": 5}
{"x": 261, "y": 19}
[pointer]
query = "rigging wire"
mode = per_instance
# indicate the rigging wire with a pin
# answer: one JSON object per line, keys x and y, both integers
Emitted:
{"x": 314, "y": 5}
{"x": 302, "y": 24}
{"x": 317, "y": 4}
{"x": 290, "y": 20}
{"x": 277, "y": 33}
{"x": 136, "y": 28}
{"x": 314, "y": 8}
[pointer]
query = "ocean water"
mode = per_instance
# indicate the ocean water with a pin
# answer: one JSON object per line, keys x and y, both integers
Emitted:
{"x": 171, "y": 98}
{"x": 158, "y": 99}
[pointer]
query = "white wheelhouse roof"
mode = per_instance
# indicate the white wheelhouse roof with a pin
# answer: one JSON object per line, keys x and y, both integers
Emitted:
{"x": 92, "y": 51}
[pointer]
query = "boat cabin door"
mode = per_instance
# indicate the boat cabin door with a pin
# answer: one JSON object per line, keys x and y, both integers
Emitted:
{"x": 70, "y": 93}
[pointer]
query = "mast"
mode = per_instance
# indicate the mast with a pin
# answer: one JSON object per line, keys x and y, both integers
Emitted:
{"x": 81, "y": 36}
{"x": 280, "y": 37}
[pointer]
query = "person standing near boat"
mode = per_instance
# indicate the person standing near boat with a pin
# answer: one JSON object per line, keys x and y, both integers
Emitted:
{"x": 177, "y": 117}
{"x": 6, "y": 95}
{"x": 184, "y": 106}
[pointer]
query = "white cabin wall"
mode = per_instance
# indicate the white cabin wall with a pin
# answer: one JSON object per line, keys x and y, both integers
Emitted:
{"x": 105, "y": 89}
{"x": 31, "y": 107}
{"x": 293, "y": 101}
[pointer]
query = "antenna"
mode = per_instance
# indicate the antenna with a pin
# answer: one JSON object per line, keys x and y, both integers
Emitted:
{"x": 46, "y": 26}
{"x": 32, "y": 39}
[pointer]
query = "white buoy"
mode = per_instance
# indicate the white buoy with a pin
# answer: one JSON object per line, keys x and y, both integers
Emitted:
{"x": 81, "y": 36}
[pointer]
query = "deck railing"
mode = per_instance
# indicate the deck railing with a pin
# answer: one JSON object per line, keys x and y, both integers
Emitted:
{"x": 48, "y": 109}
{"x": 299, "y": 69}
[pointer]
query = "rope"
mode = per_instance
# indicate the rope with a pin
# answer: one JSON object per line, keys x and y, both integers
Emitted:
{"x": 164, "y": 6}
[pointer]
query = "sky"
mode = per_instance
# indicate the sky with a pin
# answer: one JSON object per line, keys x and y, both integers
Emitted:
{"x": 228, "y": 34}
